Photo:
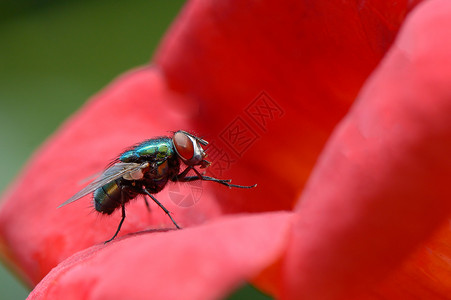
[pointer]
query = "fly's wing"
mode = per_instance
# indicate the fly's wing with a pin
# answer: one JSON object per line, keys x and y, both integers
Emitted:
{"x": 114, "y": 172}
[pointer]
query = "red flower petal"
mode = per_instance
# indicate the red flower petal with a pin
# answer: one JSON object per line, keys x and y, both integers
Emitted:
{"x": 382, "y": 186}
{"x": 425, "y": 275}
{"x": 205, "y": 262}
{"x": 310, "y": 58}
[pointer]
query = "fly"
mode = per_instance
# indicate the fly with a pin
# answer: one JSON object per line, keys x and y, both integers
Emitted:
{"x": 145, "y": 169}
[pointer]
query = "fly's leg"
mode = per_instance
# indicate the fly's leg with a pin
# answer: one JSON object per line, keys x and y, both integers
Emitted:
{"x": 182, "y": 175}
{"x": 161, "y": 206}
{"x": 120, "y": 223}
{"x": 122, "y": 219}
{"x": 183, "y": 178}
{"x": 147, "y": 204}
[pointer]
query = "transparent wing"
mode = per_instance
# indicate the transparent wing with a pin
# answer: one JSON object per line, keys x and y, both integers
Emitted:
{"x": 114, "y": 172}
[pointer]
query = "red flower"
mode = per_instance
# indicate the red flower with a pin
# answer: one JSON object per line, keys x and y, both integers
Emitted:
{"x": 266, "y": 83}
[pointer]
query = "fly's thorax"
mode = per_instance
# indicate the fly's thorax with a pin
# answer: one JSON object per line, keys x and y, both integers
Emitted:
{"x": 166, "y": 169}
{"x": 160, "y": 173}
{"x": 136, "y": 175}
{"x": 158, "y": 149}
{"x": 159, "y": 170}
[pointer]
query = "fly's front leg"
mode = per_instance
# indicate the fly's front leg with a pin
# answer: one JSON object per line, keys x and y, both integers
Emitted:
{"x": 182, "y": 175}
{"x": 183, "y": 178}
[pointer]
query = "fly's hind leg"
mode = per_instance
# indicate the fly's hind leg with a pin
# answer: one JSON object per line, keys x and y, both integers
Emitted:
{"x": 161, "y": 206}
{"x": 120, "y": 223}
{"x": 122, "y": 219}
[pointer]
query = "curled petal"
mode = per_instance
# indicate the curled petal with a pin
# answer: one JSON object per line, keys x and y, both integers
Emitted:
{"x": 381, "y": 187}
{"x": 205, "y": 262}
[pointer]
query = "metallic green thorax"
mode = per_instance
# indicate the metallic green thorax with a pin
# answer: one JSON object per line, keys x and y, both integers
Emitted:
{"x": 156, "y": 149}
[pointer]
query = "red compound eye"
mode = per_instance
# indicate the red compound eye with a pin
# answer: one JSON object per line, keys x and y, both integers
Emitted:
{"x": 184, "y": 145}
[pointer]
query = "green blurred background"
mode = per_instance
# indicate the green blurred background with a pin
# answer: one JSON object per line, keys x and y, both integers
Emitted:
{"x": 54, "y": 55}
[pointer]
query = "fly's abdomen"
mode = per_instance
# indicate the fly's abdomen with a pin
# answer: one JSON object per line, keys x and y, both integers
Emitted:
{"x": 107, "y": 198}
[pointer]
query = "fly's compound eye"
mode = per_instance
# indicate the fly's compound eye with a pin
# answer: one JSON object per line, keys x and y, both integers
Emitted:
{"x": 188, "y": 148}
